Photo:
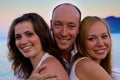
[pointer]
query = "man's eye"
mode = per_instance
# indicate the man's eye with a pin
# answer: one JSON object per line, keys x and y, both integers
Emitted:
{"x": 57, "y": 25}
{"x": 71, "y": 26}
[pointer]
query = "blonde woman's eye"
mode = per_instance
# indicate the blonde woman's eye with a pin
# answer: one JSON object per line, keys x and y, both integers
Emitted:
{"x": 105, "y": 36}
{"x": 91, "y": 39}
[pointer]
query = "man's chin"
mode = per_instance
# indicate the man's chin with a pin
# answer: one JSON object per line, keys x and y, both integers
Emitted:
{"x": 63, "y": 47}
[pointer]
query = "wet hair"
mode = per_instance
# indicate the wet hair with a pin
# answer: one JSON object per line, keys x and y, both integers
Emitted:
{"x": 23, "y": 65}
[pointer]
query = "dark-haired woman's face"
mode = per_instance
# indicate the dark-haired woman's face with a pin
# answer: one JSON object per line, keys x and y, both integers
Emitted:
{"x": 27, "y": 41}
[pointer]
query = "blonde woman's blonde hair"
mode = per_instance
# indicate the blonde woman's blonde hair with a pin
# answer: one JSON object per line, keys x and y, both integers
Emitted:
{"x": 86, "y": 24}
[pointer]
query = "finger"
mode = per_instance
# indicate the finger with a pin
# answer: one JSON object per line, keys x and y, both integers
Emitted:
{"x": 41, "y": 68}
{"x": 49, "y": 77}
{"x": 38, "y": 69}
{"x": 53, "y": 79}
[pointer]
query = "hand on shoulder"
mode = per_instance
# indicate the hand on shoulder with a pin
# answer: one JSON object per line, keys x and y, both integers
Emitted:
{"x": 55, "y": 67}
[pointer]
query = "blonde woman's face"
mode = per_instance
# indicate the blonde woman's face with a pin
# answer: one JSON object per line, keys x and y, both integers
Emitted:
{"x": 98, "y": 41}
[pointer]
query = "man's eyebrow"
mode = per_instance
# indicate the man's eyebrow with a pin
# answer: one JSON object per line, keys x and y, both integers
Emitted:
{"x": 72, "y": 23}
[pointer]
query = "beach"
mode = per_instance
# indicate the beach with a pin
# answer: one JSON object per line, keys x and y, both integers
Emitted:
{"x": 6, "y": 72}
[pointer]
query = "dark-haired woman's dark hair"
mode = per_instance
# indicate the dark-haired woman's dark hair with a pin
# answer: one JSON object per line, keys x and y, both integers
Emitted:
{"x": 20, "y": 64}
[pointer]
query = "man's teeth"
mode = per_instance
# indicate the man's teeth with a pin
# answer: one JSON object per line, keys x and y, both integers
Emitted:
{"x": 64, "y": 39}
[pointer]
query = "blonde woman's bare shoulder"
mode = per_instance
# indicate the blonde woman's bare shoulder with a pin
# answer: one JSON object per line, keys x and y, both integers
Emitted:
{"x": 87, "y": 69}
{"x": 84, "y": 63}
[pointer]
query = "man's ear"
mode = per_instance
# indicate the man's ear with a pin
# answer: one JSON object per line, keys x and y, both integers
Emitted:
{"x": 50, "y": 24}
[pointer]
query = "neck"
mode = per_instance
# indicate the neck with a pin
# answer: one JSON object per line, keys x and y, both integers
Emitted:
{"x": 97, "y": 61}
{"x": 35, "y": 60}
{"x": 66, "y": 54}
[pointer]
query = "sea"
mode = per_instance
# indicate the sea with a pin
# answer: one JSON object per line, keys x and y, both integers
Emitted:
{"x": 6, "y": 72}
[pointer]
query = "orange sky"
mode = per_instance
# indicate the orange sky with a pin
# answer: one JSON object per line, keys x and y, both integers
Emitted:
{"x": 11, "y": 9}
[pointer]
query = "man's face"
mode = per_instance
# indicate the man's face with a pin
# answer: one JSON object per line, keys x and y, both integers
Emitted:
{"x": 65, "y": 26}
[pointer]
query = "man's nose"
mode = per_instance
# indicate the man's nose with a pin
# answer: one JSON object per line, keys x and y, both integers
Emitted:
{"x": 64, "y": 31}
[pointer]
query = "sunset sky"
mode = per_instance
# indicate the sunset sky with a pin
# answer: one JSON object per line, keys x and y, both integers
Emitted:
{"x": 10, "y": 9}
